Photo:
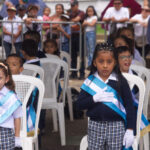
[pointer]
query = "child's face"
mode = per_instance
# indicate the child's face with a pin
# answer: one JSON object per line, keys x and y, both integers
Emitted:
{"x": 104, "y": 63}
{"x": 125, "y": 59}
{"x": 3, "y": 79}
{"x": 127, "y": 33}
{"x": 47, "y": 11}
{"x": 14, "y": 65}
{"x": 120, "y": 42}
{"x": 90, "y": 12}
{"x": 50, "y": 48}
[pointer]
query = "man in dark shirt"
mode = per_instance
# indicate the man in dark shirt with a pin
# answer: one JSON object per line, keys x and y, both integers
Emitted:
{"x": 76, "y": 15}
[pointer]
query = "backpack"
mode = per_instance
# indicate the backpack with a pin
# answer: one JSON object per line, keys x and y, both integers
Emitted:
{"x": 77, "y": 114}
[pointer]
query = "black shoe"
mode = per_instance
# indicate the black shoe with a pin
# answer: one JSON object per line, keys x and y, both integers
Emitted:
{"x": 73, "y": 76}
{"x": 81, "y": 77}
{"x": 18, "y": 148}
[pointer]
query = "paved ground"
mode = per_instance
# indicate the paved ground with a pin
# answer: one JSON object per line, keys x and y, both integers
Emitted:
{"x": 75, "y": 130}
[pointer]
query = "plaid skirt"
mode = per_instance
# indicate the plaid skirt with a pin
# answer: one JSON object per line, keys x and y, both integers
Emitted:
{"x": 7, "y": 139}
{"x": 105, "y": 135}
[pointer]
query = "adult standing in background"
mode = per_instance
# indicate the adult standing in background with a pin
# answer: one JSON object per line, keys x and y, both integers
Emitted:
{"x": 59, "y": 10}
{"x": 76, "y": 16}
{"x": 140, "y": 29}
{"x": 3, "y": 11}
{"x": 133, "y": 5}
{"x": 117, "y": 14}
{"x": 12, "y": 32}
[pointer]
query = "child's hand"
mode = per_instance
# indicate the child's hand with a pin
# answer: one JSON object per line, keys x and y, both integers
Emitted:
{"x": 17, "y": 142}
{"x": 59, "y": 28}
{"x": 128, "y": 138}
{"x": 85, "y": 23}
{"x": 103, "y": 96}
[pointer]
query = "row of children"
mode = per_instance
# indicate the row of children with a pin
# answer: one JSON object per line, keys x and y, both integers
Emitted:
{"x": 10, "y": 125}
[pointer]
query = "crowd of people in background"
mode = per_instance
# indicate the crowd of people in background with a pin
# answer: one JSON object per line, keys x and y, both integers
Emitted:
{"x": 67, "y": 35}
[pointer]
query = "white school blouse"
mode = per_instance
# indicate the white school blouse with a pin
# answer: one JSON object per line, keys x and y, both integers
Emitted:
{"x": 9, "y": 123}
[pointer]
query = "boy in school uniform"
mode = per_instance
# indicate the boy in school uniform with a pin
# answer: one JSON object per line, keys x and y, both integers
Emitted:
{"x": 29, "y": 51}
{"x": 15, "y": 63}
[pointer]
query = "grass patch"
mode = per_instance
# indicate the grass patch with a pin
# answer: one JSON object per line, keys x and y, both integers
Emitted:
{"x": 99, "y": 29}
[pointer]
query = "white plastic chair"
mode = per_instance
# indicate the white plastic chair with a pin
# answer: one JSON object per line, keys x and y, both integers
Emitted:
{"x": 24, "y": 85}
{"x": 68, "y": 91}
{"x": 144, "y": 73}
{"x": 132, "y": 80}
{"x": 135, "y": 80}
{"x": 66, "y": 56}
{"x": 143, "y": 63}
{"x": 52, "y": 69}
{"x": 33, "y": 70}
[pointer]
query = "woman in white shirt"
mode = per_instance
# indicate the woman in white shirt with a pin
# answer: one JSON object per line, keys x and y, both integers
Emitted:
{"x": 12, "y": 31}
{"x": 90, "y": 26}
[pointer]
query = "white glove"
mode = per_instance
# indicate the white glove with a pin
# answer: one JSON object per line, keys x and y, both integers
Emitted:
{"x": 128, "y": 138}
{"x": 17, "y": 142}
{"x": 103, "y": 96}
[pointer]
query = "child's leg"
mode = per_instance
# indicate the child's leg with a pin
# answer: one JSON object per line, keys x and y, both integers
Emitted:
{"x": 96, "y": 135}
{"x": 7, "y": 139}
{"x": 115, "y": 134}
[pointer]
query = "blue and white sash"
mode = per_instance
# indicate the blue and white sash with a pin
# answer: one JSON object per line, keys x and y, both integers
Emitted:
{"x": 8, "y": 105}
{"x": 93, "y": 85}
{"x": 31, "y": 114}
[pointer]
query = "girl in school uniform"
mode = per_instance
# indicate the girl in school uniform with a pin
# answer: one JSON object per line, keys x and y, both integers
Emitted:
{"x": 107, "y": 97}
{"x": 10, "y": 111}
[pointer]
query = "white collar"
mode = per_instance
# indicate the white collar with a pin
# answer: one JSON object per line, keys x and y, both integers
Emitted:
{"x": 4, "y": 90}
{"x": 111, "y": 77}
{"x": 32, "y": 60}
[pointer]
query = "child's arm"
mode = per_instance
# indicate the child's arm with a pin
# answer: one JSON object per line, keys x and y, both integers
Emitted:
{"x": 17, "y": 123}
{"x": 59, "y": 28}
{"x": 92, "y": 23}
{"x": 128, "y": 104}
{"x": 84, "y": 101}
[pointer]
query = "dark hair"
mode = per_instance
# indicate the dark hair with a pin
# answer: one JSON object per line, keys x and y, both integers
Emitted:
{"x": 6, "y": 70}
{"x": 52, "y": 41}
{"x": 122, "y": 49}
{"x": 86, "y": 14}
{"x": 128, "y": 41}
{"x": 46, "y": 8}
{"x": 34, "y": 35}
{"x": 107, "y": 47}
{"x": 16, "y": 56}
{"x": 119, "y": 0}
{"x": 62, "y": 6}
{"x": 30, "y": 47}
{"x": 120, "y": 30}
